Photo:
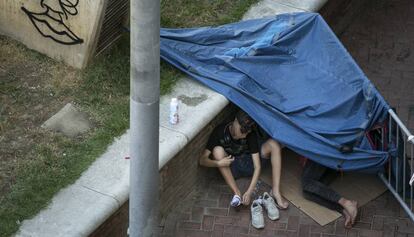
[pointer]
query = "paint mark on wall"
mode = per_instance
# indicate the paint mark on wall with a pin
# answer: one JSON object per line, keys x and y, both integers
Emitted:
{"x": 51, "y": 22}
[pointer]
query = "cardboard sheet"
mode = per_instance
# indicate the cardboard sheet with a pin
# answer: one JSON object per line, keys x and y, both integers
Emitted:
{"x": 360, "y": 187}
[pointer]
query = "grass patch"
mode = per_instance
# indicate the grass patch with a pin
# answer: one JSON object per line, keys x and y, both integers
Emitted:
{"x": 196, "y": 13}
{"x": 51, "y": 161}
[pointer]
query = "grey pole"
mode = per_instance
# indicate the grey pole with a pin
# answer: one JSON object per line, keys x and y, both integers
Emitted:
{"x": 144, "y": 117}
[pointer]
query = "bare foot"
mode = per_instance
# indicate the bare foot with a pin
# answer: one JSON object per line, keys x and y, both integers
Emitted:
{"x": 348, "y": 220}
{"x": 351, "y": 207}
{"x": 280, "y": 201}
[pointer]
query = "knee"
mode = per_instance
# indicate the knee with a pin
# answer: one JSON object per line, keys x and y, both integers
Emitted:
{"x": 308, "y": 185}
{"x": 218, "y": 153}
{"x": 274, "y": 145}
{"x": 270, "y": 147}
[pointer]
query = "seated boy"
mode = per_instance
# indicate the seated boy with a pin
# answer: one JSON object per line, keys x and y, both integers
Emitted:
{"x": 234, "y": 148}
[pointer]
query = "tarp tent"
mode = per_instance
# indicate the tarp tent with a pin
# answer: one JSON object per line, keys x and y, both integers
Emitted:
{"x": 294, "y": 77}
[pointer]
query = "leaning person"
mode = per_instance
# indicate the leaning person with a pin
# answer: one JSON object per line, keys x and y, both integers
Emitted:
{"x": 315, "y": 179}
{"x": 235, "y": 150}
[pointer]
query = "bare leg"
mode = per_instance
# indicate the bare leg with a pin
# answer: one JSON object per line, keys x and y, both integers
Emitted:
{"x": 273, "y": 149}
{"x": 316, "y": 189}
{"x": 218, "y": 154}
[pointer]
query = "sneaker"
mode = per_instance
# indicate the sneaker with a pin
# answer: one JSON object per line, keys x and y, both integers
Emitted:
{"x": 257, "y": 215}
{"x": 235, "y": 201}
{"x": 270, "y": 206}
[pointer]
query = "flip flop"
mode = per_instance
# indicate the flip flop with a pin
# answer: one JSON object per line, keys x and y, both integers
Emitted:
{"x": 235, "y": 201}
{"x": 277, "y": 204}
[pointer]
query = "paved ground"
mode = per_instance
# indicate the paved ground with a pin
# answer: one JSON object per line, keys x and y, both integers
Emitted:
{"x": 382, "y": 42}
{"x": 206, "y": 212}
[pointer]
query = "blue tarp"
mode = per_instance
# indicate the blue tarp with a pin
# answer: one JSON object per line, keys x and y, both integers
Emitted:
{"x": 294, "y": 77}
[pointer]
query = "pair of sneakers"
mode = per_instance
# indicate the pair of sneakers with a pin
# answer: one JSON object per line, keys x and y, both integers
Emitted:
{"x": 257, "y": 210}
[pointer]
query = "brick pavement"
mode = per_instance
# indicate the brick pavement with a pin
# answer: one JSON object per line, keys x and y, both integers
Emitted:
{"x": 206, "y": 212}
{"x": 382, "y": 42}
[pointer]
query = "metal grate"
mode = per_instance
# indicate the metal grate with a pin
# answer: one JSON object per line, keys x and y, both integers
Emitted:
{"x": 115, "y": 13}
{"x": 401, "y": 164}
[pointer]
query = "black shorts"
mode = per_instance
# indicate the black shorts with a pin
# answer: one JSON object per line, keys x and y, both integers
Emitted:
{"x": 243, "y": 166}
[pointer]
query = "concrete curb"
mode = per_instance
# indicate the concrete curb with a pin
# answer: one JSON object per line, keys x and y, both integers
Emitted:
{"x": 79, "y": 209}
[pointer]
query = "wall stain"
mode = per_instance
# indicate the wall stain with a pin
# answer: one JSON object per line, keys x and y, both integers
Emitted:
{"x": 192, "y": 101}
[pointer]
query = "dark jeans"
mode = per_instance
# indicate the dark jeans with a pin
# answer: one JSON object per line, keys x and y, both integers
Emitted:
{"x": 315, "y": 180}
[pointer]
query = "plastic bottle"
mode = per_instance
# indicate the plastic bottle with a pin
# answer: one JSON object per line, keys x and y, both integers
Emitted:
{"x": 174, "y": 118}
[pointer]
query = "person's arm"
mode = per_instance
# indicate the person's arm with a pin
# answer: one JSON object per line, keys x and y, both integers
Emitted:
{"x": 257, "y": 168}
{"x": 207, "y": 162}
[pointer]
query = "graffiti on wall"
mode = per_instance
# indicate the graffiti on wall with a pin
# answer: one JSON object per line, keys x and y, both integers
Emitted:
{"x": 52, "y": 22}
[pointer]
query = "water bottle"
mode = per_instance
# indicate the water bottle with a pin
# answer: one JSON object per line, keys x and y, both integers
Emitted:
{"x": 174, "y": 118}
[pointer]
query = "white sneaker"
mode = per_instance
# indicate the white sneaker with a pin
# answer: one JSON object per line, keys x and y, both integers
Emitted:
{"x": 257, "y": 215}
{"x": 270, "y": 206}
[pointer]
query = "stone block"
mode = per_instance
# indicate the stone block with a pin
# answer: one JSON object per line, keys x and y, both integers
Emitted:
{"x": 69, "y": 121}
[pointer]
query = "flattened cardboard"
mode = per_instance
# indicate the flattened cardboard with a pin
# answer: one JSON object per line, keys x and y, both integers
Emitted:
{"x": 360, "y": 187}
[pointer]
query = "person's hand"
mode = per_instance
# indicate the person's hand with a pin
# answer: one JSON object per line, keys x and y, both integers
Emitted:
{"x": 247, "y": 196}
{"x": 226, "y": 161}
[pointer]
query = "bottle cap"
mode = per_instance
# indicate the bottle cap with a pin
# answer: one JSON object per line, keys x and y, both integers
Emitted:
{"x": 174, "y": 100}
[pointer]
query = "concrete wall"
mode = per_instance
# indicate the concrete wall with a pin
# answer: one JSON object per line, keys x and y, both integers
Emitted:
{"x": 177, "y": 179}
{"x": 65, "y": 30}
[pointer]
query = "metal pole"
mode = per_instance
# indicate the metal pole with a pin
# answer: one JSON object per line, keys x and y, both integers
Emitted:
{"x": 144, "y": 117}
{"x": 398, "y": 159}
{"x": 405, "y": 160}
{"x": 412, "y": 172}
{"x": 389, "y": 143}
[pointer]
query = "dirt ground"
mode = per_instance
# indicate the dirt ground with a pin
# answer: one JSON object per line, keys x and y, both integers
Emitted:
{"x": 32, "y": 88}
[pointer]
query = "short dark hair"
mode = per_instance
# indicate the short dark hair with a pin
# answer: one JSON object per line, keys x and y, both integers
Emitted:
{"x": 245, "y": 121}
